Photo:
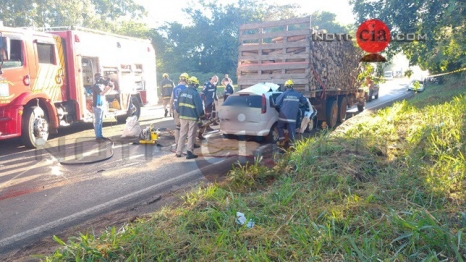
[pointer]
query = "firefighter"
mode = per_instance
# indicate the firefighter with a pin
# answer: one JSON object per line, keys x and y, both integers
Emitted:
{"x": 167, "y": 86}
{"x": 209, "y": 95}
{"x": 189, "y": 108}
{"x": 182, "y": 85}
{"x": 288, "y": 105}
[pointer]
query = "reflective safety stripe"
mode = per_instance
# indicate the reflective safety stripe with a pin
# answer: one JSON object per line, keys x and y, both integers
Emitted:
{"x": 186, "y": 105}
{"x": 287, "y": 120}
{"x": 188, "y": 118}
{"x": 291, "y": 99}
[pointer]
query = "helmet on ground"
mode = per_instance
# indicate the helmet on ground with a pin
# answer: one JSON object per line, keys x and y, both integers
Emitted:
{"x": 184, "y": 76}
{"x": 193, "y": 81}
{"x": 289, "y": 83}
{"x": 165, "y": 75}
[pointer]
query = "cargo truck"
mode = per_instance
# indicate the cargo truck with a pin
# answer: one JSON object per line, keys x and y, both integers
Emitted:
{"x": 324, "y": 67}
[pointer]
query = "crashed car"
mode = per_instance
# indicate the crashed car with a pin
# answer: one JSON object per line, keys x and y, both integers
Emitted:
{"x": 252, "y": 112}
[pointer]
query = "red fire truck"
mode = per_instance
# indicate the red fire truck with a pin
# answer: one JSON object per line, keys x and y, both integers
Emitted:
{"x": 46, "y": 79}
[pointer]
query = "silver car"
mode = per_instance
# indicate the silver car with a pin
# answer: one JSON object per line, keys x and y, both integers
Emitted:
{"x": 251, "y": 112}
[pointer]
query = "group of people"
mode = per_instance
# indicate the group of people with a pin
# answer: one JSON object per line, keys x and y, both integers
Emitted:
{"x": 188, "y": 107}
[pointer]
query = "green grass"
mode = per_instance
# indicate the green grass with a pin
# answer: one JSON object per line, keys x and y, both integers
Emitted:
{"x": 391, "y": 187}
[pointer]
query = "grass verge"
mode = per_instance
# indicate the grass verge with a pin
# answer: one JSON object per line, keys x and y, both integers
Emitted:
{"x": 389, "y": 187}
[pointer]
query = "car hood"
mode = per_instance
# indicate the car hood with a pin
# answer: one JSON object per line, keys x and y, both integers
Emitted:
{"x": 260, "y": 88}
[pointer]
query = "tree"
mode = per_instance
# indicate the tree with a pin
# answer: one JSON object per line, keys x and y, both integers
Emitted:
{"x": 95, "y": 14}
{"x": 326, "y": 20}
{"x": 209, "y": 44}
{"x": 442, "y": 21}
{"x": 409, "y": 73}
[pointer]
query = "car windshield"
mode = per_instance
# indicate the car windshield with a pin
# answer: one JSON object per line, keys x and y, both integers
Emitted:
{"x": 244, "y": 101}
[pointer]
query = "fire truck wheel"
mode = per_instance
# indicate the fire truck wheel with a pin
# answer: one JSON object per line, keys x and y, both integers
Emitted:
{"x": 35, "y": 128}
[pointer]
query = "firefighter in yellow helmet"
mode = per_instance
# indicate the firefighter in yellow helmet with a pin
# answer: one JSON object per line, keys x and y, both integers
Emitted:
{"x": 182, "y": 85}
{"x": 190, "y": 110}
{"x": 288, "y": 105}
{"x": 167, "y": 86}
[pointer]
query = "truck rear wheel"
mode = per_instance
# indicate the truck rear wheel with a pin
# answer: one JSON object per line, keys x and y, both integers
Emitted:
{"x": 342, "y": 104}
{"x": 35, "y": 127}
{"x": 332, "y": 113}
{"x": 360, "y": 108}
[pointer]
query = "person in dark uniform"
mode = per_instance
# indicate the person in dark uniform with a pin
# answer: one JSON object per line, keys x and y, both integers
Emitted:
{"x": 209, "y": 95}
{"x": 288, "y": 104}
{"x": 167, "y": 86}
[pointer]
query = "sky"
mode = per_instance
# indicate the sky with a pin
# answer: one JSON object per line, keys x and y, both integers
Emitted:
{"x": 161, "y": 11}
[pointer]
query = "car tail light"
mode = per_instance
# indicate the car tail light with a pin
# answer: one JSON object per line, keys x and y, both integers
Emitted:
{"x": 264, "y": 105}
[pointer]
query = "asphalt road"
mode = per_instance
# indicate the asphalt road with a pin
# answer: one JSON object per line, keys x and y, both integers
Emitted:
{"x": 39, "y": 196}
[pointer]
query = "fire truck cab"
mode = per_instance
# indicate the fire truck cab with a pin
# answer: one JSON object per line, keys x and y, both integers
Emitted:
{"x": 46, "y": 79}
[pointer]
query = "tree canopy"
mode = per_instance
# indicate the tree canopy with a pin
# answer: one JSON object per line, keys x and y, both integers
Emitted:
{"x": 115, "y": 16}
{"x": 443, "y": 21}
{"x": 209, "y": 44}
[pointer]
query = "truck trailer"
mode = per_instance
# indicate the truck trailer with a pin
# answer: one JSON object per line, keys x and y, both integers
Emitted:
{"x": 324, "y": 67}
{"x": 46, "y": 79}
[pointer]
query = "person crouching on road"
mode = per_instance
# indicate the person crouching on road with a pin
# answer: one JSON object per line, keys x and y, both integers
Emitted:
{"x": 288, "y": 103}
{"x": 189, "y": 108}
{"x": 167, "y": 90}
{"x": 182, "y": 85}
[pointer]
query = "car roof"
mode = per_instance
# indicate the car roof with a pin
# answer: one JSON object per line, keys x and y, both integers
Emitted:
{"x": 260, "y": 88}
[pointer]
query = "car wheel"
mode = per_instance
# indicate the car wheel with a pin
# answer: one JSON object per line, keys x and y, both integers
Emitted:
{"x": 332, "y": 113}
{"x": 376, "y": 96}
{"x": 310, "y": 125}
{"x": 272, "y": 136}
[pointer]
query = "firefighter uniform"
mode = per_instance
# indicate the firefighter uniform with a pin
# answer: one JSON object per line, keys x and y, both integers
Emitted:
{"x": 209, "y": 95}
{"x": 189, "y": 108}
{"x": 182, "y": 85}
{"x": 288, "y": 103}
{"x": 167, "y": 89}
